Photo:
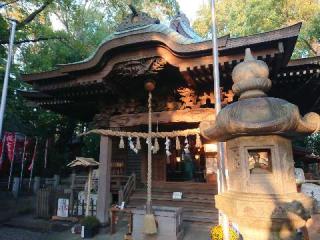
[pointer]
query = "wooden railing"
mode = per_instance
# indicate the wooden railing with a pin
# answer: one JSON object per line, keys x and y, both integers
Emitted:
{"x": 126, "y": 191}
{"x": 118, "y": 181}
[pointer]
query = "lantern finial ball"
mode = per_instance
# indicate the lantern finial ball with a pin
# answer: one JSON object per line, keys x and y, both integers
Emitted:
{"x": 150, "y": 85}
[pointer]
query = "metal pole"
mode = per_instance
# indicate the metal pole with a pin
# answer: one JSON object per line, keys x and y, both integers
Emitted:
{"x": 32, "y": 163}
{"x": 89, "y": 191}
{"x": 7, "y": 74}
{"x": 11, "y": 166}
{"x": 22, "y": 161}
{"x": 222, "y": 184}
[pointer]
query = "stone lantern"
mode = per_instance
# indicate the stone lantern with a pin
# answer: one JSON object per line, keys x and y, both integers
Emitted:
{"x": 262, "y": 197}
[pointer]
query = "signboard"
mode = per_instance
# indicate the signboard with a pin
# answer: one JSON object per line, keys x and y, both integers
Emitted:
{"x": 211, "y": 165}
{"x": 176, "y": 195}
{"x": 63, "y": 207}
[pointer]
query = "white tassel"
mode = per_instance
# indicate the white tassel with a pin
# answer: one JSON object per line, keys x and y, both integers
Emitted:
{"x": 121, "y": 143}
{"x": 178, "y": 146}
{"x": 131, "y": 145}
{"x": 186, "y": 147}
{"x": 198, "y": 141}
{"x": 156, "y": 146}
{"x": 147, "y": 142}
{"x": 138, "y": 144}
{"x": 167, "y": 144}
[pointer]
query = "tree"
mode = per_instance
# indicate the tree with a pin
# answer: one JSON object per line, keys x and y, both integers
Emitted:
{"x": 241, "y": 18}
{"x": 40, "y": 46}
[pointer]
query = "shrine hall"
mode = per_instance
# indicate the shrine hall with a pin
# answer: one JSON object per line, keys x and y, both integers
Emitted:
{"x": 107, "y": 90}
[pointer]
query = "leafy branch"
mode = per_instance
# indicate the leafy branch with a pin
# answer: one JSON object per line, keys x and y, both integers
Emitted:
{"x": 40, "y": 39}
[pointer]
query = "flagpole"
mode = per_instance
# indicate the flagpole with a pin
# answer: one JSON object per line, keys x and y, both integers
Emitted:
{"x": 46, "y": 153}
{"x": 222, "y": 183}
{"x": 32, "y": 163}
{"x": 11, "y": 166}
{"x": 22, "y": 161}
{"x": 2, "y": 150}
{"x": 7, "y": 74}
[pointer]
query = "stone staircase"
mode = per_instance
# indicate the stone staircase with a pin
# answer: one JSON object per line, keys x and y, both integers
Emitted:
{"x": 197, "y": 199}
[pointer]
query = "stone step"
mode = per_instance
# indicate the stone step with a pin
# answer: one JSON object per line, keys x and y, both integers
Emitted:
{"x": 187, "y": 196}
{"x": 211, "y": 192}
{"x": 196, "y": 205}
{"x": 169, "y": 198}
{"x": 197, "y": 201}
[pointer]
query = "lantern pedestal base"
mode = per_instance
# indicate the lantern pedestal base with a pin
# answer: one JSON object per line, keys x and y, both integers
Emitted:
{"x": 266, "y": 216}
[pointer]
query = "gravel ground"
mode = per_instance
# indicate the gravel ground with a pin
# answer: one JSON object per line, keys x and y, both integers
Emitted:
{"x": 7, "y": 233}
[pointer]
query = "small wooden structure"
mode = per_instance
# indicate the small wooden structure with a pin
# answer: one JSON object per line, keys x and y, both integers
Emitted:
{"x": 87, "y": 163}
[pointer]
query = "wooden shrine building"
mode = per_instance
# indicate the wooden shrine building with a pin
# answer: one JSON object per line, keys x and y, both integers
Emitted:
{"x": 108, "y": 90}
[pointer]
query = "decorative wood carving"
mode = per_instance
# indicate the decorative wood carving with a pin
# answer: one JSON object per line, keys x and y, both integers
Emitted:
{"x": 190, "y": 100}
{"x": 141, "y": 67}
{"x": 166, "y": 109}
{"x": 179, "y": 116}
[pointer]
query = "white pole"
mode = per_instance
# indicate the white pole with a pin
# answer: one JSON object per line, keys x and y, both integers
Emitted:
{"x": 22, "y": 161}
{"x": 221, "y": 176}
{"x": 46, "y": 153}
{"x": 7, "y": 74}
{"x": 89, "y": 191}
{"x": 33, "y": 160}
{"x": 11, "y": 166}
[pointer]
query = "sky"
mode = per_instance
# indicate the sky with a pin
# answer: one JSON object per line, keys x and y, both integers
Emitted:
{"x": 190, "y": 7}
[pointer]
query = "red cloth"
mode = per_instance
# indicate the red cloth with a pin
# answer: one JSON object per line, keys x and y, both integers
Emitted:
{"x": 1, "y": 152}
{"x": 10, "y": 142}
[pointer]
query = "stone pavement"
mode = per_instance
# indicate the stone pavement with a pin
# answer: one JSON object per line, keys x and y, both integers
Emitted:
{"x": 198, "y": 232}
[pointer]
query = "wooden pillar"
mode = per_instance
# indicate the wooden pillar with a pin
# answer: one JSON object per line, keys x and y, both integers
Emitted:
{"x": 104, "y": 193}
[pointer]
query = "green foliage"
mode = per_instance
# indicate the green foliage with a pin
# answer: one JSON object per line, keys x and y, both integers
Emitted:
{"x": 241, "y": 18}
{"x": 90, "y": 222}
{"x": 313, "y": 143}
{"x": 62, "y": 31}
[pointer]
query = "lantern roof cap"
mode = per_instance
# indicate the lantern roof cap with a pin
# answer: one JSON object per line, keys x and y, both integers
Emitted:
{"x": 255, "y": 113}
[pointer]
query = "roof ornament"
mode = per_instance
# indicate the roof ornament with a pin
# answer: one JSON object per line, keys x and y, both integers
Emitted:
{"x": 181, "y": 24}
{"x": 133, "y": 10}
{"x": 135, "y": 20}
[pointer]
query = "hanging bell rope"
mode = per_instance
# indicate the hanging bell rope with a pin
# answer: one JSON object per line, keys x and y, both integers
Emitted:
{"x": 149, "y": 224}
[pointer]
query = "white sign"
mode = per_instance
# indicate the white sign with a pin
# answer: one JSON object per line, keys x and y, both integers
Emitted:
{"x": 211, "y": 165}
{"x": 63, "y": 207}
{"x": 176, "y": 195}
